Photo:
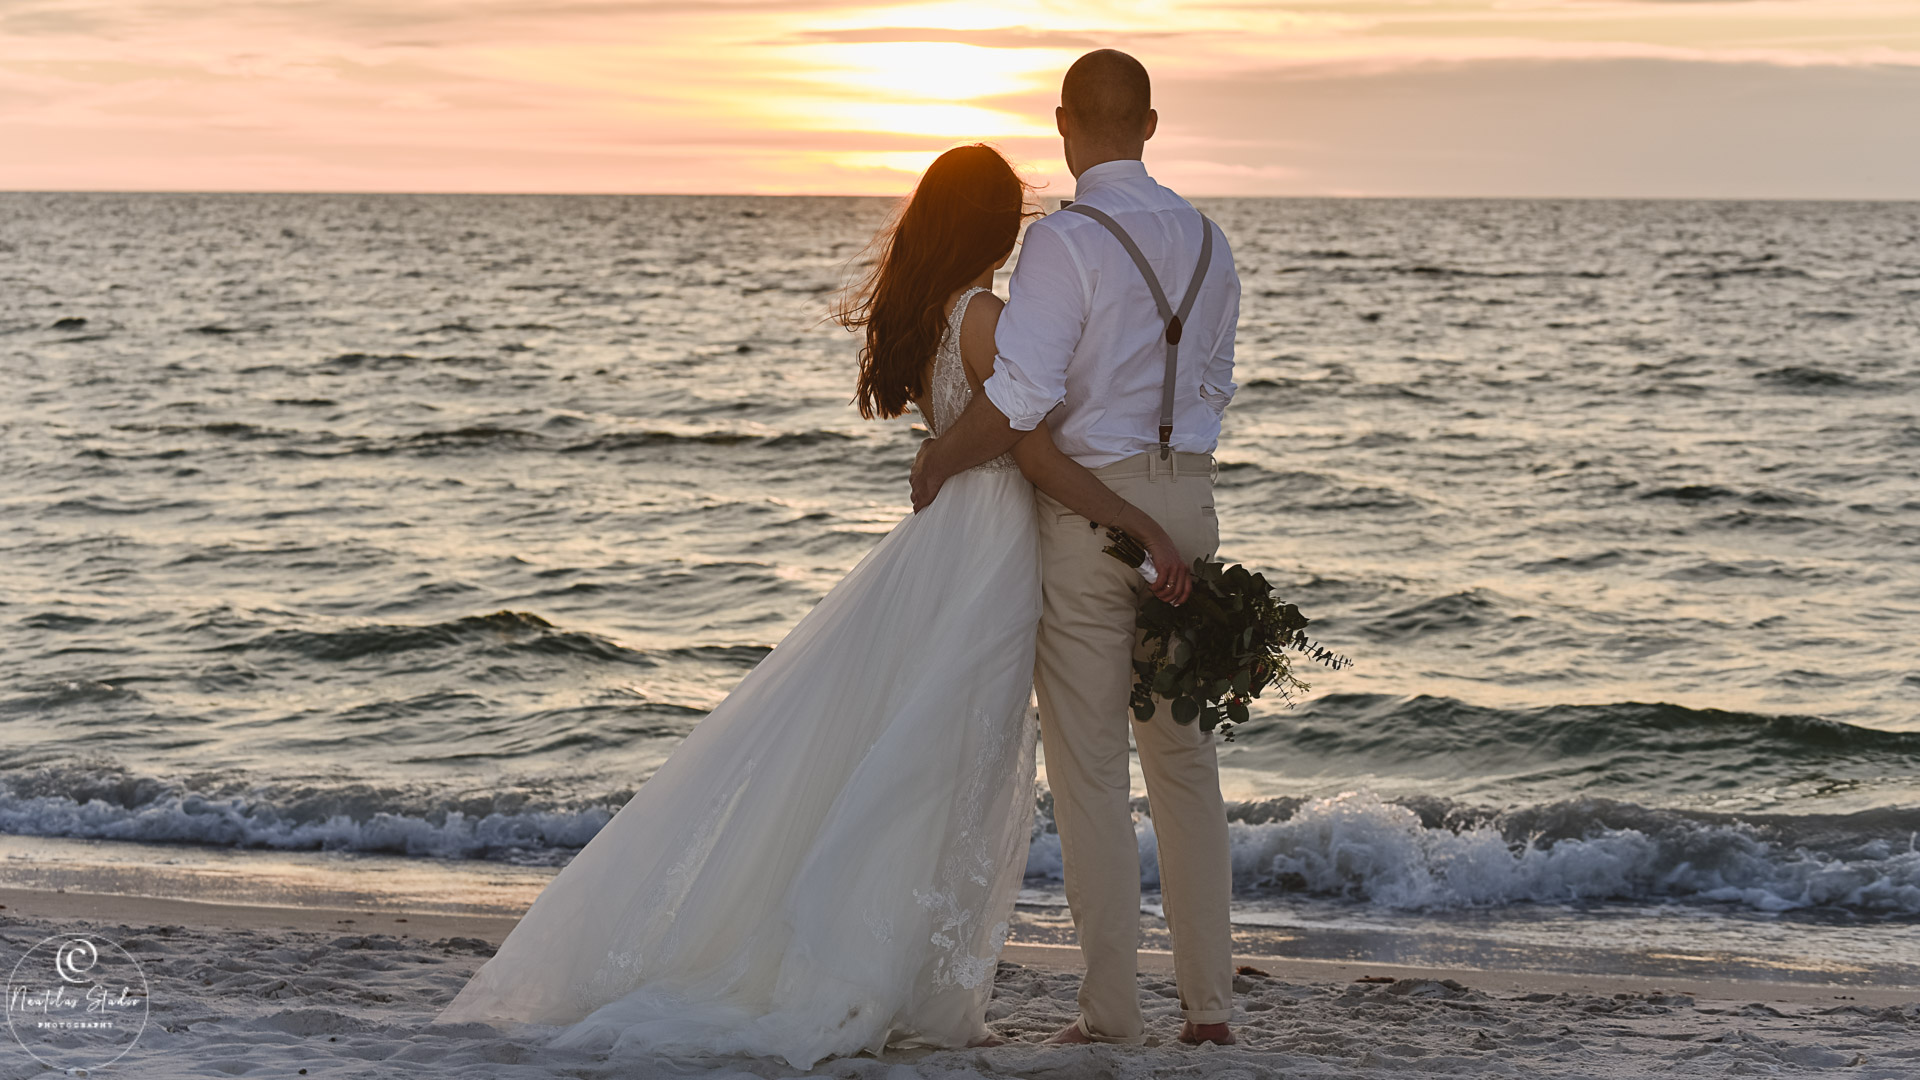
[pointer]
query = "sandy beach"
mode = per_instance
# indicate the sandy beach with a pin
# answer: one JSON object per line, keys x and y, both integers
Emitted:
{"x": 241, "y": 990}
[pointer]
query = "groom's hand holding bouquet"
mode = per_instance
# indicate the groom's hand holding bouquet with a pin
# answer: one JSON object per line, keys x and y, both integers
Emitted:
{"x": 1212, "y": 657}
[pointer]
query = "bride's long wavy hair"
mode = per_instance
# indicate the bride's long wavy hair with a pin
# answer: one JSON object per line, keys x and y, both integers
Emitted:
{"x": 962, "y": 218}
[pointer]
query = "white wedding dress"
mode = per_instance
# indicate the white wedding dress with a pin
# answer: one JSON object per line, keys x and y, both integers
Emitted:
{"x": 828, "y": 863}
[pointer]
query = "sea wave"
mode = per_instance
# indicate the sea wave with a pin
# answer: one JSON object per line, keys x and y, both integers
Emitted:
{"x": 512, "y": 630}
{"x": 1371, "y": 731}
{"x": 306, "y": 442}
{"x": 109, "y": 803}
{"x": 1357, "y": 847}
{"x": 1360, "y": 847}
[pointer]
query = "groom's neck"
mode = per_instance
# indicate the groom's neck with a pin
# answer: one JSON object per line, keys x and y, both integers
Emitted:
{"x": 1084, "y": 159}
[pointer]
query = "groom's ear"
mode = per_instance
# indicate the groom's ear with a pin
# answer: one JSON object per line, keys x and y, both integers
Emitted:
{"x": 1153, "y": 124}
{"x": 1060, "y": 120}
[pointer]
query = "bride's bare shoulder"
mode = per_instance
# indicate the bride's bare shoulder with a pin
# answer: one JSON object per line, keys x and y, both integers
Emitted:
{"x": 976, "y": 335}
{"x": 985, "y": 301}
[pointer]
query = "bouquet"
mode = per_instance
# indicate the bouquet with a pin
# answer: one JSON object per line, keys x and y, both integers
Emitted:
{"x": 1218, "y": 651}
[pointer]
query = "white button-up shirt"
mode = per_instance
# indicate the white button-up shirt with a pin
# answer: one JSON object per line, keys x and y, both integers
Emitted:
{"x": 1082, "y": 328}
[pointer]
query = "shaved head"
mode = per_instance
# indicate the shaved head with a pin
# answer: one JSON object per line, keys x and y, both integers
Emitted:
{"x": 1107, "y": 94}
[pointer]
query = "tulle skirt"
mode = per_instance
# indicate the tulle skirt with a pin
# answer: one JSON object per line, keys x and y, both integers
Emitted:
{"x": 829, "y": 861}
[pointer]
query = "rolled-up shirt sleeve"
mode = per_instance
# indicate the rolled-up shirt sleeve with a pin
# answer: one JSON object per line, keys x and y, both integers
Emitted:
{"x": 1216, "y": 383}
{"x": 1039, "y": 329}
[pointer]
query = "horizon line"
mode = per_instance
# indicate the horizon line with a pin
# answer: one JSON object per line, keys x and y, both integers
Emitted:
{"x": 857, "y": 195}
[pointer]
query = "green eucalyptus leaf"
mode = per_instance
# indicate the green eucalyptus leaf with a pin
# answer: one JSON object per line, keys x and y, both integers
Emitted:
{"x": 1166, "y": 682}
{"x": 1220, "y": 649}
{"x": 1185, "y": 710}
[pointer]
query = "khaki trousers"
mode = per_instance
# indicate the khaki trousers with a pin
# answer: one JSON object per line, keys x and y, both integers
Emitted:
{"x": 1082, "y": 674}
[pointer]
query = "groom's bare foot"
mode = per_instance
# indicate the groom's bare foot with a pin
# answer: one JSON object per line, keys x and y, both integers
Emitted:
{"x": 1194, "y": 1034}
{"x": 1071, "y": 1035}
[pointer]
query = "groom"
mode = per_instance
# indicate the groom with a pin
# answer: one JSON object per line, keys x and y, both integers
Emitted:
{"x": 1086, "y": 345}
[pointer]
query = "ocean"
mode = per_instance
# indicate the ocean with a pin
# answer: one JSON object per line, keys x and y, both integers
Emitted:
{"x": 379, "y": 547}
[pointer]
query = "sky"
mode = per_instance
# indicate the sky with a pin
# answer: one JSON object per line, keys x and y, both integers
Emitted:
{"x": 1630, "y": 98}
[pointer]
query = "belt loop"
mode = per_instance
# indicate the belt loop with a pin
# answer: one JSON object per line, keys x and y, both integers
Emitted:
{"x": 1173, "y": 467}
{"x": 1152, "y": 460}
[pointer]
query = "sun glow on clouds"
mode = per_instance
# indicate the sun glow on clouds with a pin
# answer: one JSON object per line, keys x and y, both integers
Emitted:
{"x": 927, "y": 70}
{"x": 1381, "y": 96}
{"x": 913, "y": 88}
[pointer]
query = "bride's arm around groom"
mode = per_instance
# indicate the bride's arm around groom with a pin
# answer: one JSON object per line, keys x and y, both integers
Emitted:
{"x": 1060, "y": 477}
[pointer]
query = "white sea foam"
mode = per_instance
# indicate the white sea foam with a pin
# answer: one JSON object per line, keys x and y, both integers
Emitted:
{"x": 528, "y": 836}
{"x": 1359, "y": 847}
{"x": 1356, "y": 847}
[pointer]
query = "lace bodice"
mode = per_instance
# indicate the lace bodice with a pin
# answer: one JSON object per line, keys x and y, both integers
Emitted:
{"x": 949, "y": 389}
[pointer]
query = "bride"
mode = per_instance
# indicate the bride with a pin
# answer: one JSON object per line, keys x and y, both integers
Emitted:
{"x": 828, "y": 863}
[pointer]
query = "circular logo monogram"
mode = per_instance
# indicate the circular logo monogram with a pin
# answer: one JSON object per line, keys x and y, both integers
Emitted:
{"x": 77, "y": 1002}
